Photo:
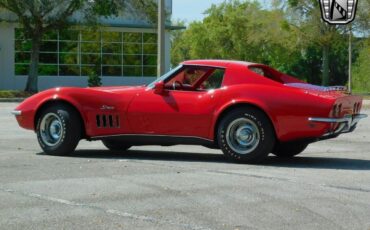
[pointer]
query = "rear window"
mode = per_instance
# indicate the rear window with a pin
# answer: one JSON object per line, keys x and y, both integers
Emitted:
{"x": 265, "y": 73}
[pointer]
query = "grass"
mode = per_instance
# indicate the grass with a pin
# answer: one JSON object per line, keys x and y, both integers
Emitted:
{"x": 14, "y": 94}
{"x": 366, "y": 96}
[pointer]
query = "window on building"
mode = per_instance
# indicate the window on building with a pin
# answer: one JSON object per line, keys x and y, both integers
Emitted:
{"x": 77, "y": 53}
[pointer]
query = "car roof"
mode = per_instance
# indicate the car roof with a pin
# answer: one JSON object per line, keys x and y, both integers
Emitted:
{"x": 218, "y": 63}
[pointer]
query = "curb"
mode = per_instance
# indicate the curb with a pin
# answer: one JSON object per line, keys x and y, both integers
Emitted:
{"x": 17, "y": 99}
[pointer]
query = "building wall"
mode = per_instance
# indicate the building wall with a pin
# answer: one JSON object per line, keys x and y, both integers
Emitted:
{"x": 8, "y": 80}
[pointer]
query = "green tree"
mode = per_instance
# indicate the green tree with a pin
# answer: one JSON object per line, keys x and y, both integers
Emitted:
{"x": 94, "y": 78}
{"x": 305, "y": 17}
{"x": 361, "y": 69}
{"x": 237, "y": 30}
{"x": 290, "y": 36}
{"x": 38, "y": 17}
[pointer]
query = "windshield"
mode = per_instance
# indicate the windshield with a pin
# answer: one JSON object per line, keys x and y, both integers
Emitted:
{"x": 163, "y": 77}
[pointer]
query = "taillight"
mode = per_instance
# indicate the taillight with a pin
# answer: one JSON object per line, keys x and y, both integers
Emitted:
{"x": 356, "y": 107}
{"x": 337, "y": 110}
{"x": 334, "y": 110}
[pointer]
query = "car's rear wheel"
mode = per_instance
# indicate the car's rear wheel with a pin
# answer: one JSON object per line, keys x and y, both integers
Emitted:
{"x": 114, "y": 145}
{"x": 246, "y": 135}
{"x": 58, "y": 130}
{"x": 289, "y": 149}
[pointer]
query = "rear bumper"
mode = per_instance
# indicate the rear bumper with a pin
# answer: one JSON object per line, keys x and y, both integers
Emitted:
{"x": 346, "y": 124}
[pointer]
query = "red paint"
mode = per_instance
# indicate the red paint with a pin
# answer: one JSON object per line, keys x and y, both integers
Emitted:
{"x": 143, "y": 110}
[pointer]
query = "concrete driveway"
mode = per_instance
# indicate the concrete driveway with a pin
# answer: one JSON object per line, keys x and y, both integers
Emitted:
{"x": 181, "y": 187}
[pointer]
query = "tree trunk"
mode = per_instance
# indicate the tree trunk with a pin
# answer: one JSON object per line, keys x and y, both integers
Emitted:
{"x": 325, "y": 66}
{"x": 32, "y": 81}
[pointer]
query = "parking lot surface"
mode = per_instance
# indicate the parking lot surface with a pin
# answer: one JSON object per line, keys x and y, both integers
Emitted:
{"x": 181, "y": 187}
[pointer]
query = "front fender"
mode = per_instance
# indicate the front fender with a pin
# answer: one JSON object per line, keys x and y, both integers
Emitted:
{"x": 31, "y": 106}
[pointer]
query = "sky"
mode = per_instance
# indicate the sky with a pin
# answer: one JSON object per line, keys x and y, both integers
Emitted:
{"x": 190, "y": 10}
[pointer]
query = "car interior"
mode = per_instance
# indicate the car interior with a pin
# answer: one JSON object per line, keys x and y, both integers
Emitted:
{"x": 195, "y": 78}
{"x": 266, "y": 73}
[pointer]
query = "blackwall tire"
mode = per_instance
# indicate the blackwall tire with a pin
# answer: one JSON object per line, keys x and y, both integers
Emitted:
{"x": 115, "y": 145}
{"x": 288, "y": 150}
{"x": 246, "y": 135}
{"x": 58, "y": 130}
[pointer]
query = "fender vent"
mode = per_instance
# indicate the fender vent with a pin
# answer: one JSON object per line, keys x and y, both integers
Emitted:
{"x": 107, "y": 121}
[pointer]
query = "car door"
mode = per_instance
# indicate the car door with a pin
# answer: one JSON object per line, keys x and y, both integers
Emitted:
{"x": 174, "y": 112}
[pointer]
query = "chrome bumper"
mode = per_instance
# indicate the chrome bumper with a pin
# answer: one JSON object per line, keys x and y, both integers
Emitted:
{"x": 17, "y": 112}
{"x": 346, "y": 124}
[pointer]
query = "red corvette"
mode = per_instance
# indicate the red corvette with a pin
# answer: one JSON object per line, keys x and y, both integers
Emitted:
{"x": 247, "y": 110}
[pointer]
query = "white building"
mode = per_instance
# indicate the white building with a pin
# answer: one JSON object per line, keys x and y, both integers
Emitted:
{"x": 123, "y": 50}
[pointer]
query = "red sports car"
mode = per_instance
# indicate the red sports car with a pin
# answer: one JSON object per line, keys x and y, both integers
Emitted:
{"x": 247, "y": 110}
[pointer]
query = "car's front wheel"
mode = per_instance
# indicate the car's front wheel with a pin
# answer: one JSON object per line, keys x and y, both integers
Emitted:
{"x": 289, "y": 149}
{"x": 58, "y": 130}
{"x": 246, "y": 135}
{"x": 114, "y": 145}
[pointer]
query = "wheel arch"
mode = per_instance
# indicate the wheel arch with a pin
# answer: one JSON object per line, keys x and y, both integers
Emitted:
{"x": 47, "y": 103}
{"x": 243, "y": 104}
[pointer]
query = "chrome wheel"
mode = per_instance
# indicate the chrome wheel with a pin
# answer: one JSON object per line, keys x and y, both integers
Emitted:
{"x": 243, "y": 136}
{"x": 51, "y": 129}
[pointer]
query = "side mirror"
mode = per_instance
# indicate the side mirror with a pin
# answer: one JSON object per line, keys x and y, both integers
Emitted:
{"x": 159, "y": 87}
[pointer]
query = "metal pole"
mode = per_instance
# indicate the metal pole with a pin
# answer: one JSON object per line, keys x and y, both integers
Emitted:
{"x": 161, "y": 38}
{"x": 350, "y": 60}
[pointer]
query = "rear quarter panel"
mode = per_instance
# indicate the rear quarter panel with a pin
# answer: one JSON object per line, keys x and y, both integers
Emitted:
{"x": 287, "y": 108}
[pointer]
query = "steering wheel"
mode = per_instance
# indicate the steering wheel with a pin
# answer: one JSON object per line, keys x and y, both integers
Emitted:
{"x": 174, "y": 85}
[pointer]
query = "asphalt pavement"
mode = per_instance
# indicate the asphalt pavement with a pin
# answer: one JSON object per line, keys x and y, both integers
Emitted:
{"x": 181, "y": 187}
